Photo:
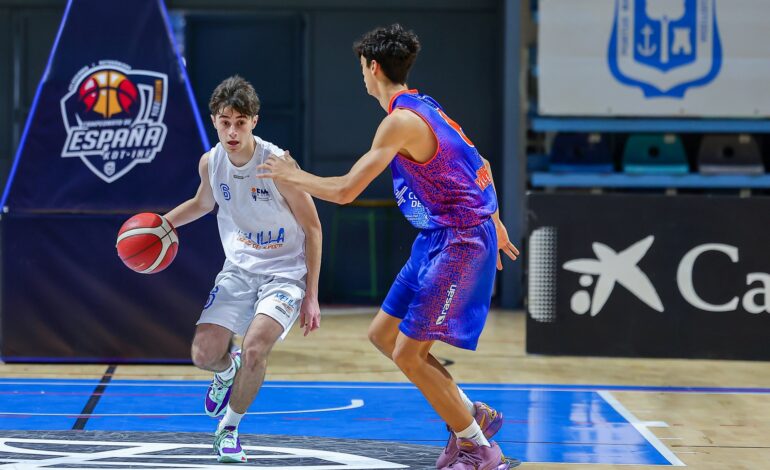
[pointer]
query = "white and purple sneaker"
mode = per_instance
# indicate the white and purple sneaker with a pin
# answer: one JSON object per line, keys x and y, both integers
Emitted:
{"x": 218, "y": 394}
{"x": 228, "y": 445}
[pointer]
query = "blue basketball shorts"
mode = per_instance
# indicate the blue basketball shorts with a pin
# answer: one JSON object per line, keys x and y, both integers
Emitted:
{"x": 444, "y": 289}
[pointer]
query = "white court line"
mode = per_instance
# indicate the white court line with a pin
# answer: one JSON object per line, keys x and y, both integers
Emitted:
{"x": 641, "y": 427}
{"x": 354, "y": 403}
{"x": 130, "y": 453}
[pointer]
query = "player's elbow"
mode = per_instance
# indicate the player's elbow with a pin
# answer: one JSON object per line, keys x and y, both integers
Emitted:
{"x": 345, "y": 197}
{"x": 347, "y": 193}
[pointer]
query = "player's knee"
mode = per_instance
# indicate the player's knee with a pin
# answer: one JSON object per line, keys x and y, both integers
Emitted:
{"x": 381, "y": 341}
{"x": 375, "y": 337}
{"x": 254, "y": 357}
{"x": 407, "y": 362}
{"x": 203, "y": 358}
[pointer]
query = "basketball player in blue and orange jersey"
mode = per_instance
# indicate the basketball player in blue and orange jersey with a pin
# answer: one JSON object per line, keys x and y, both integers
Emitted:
{"x": 443, "y": 292}
{"x": 271, "y": 237}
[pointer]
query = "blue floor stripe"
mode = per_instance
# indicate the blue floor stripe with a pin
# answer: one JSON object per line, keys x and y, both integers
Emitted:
{"x": 543, "y": 423}
{"x": 398, "y": 385}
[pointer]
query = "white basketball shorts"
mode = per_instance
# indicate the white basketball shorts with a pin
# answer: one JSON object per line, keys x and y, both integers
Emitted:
{"x": 238, "y": 296}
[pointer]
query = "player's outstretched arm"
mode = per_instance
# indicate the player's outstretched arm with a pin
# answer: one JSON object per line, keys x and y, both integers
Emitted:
{"x": 389, "y": 140}
{"x": 200, "y": 204}
{"x": 303, "y": 208}
{"x": 504, "y": 243}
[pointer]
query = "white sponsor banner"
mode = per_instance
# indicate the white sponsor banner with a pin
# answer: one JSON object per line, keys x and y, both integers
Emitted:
{"x": 678, "y": 58}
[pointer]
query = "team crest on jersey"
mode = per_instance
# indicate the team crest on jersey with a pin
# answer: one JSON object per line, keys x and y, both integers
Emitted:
{"x": 665, "y": 47}
{"x": 114, "y": 117}
{"x": 259, "y": 194}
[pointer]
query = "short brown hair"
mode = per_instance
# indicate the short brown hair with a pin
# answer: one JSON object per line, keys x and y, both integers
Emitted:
{"x": 393, "y": 47}
{"x": 236, "y": 93}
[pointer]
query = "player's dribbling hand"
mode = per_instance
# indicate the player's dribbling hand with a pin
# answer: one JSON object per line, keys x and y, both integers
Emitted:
{"x": 504, "y": 244}
{"x": 278, "y": 168}
{"x": 309, "y": 315}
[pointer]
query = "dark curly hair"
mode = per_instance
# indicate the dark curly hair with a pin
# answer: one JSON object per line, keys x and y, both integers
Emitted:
{"x": 236, "y": 93}
{"x": 393, "y": 47}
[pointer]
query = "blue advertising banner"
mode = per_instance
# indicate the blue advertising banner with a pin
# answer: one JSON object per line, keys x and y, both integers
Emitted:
{"x": 113, "y": 126}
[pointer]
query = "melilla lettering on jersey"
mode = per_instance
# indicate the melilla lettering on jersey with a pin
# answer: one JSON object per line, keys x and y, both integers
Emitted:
{"x": 263, "y": 240}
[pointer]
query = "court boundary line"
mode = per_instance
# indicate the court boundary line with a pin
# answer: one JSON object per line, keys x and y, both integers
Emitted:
{"x": 641, "y": 428}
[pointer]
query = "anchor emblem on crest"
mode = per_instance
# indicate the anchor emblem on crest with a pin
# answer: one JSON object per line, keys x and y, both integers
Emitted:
{"x": 647, "y": 49}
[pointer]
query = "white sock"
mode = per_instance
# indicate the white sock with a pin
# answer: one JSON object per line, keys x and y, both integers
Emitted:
{"x": 228, "y": 373}
{"x": 231, "y": 418}
{"x": 472, "y": 432}
{"x": 468, "y": 403}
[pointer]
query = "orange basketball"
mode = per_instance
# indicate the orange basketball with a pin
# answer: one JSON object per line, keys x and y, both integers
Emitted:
{"x": 147, "y": 243}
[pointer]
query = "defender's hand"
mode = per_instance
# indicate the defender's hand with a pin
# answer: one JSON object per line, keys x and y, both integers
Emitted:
{"x": 504, "y": 244}
{"x": 278, "y": 168}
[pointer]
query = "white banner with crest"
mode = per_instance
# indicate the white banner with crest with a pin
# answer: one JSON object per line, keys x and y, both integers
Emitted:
{"x": 675, "y": 58}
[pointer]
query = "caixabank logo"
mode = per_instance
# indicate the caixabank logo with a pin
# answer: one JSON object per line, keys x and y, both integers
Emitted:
{"x": 114, "y": 117}
{"x": 610, "y": 269}
{"x": 613, "y": 269}
{"x": 600, "y": 277}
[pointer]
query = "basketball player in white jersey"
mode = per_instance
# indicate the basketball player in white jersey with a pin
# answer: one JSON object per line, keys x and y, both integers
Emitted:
{"x": 271, "y": 236}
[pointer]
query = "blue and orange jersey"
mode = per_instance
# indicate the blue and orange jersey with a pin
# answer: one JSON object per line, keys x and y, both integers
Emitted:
{"x": 453, "y": 188}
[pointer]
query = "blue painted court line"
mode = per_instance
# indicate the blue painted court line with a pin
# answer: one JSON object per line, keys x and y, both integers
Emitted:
{"x": 543, "y": 423}
{"x": 396, "y": 385}
{"x": 29, "y": 406}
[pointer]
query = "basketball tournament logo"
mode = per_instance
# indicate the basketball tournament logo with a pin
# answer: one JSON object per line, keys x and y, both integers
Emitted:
{"x": 665, "y": 47}
{"x": 114, "y": 117}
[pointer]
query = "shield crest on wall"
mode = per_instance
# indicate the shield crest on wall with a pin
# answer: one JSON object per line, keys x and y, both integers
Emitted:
{"x": 665, "y": 47}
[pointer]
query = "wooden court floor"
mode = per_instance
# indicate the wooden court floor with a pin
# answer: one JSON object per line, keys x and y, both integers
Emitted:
{"x": 705, "y": 430}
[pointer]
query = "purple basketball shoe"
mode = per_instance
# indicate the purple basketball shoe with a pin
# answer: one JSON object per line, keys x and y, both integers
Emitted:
{"x": 228, "y": 445}
{"x": 218, "y": 394}
{"x": 490, "y": 421}
{"x": 475, "y": 457}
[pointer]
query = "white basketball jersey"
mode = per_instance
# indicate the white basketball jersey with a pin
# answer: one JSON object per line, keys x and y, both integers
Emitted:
{"x": 258, "y": 230}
